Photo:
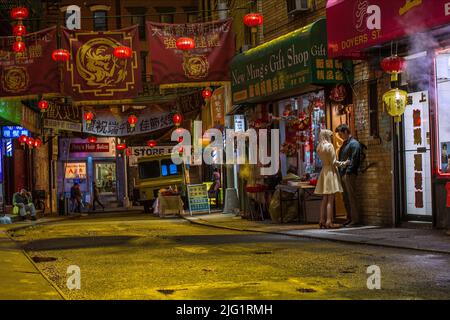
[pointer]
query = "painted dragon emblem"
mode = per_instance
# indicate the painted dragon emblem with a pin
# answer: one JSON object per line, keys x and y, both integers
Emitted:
{"x": 15, "y": 79}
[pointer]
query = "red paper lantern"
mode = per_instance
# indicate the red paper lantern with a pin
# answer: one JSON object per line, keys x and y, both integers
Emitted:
{"x": 92, "y": 139}
{"x": 19, "y": 30}
{"x": 19, "y": 13}
{"x": 23, "y": 139}
{"x": 180, "y": 139}
{"x": 123, "y": 52}
{"x": 151, "y": 143}
{"x": 121, "y": 146}
{"x": 177, "y": 119}
{"x": 185, "y": 43}
{"x": 206, "y": 93}
{"x": 393, "y": 65}
{"x": 60, "y": 55}
{"x": 43, "y": 105}
{"x": 30, "y": 142}
{"x": 88, "y": 117}
{"x": 132, "y": 120}
{"x": 253, "y": 20}
{"x": 19, "y": 46}
{"x": 37, "y": 143}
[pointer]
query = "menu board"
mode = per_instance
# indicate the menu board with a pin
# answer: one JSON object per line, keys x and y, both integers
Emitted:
{"x": 198, "y": 198}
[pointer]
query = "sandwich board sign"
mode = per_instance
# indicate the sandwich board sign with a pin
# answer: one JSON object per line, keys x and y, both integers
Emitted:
{"x": 198, "y": 198}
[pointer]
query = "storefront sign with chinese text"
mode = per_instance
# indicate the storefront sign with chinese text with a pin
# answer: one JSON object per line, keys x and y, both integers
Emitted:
{"x": 63, "y": 117}
{"x": 14, "y": 132}
{"x": 76, "y": 170}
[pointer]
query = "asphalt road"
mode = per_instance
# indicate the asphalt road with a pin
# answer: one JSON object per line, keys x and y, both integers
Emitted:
{"x": 141, "y": 257}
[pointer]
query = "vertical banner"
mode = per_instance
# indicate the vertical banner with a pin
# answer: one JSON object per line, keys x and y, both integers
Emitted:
{"x": 207, "y": 63}
{"x": 93, "y": 75}
{"x": 32, "y": 72}
{"x": 218, "y": 107}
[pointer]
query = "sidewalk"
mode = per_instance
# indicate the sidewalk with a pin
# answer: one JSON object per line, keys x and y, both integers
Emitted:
{"x": 401, "y": 238}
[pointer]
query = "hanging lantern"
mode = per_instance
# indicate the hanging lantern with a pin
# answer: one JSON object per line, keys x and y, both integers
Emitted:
{"x": 207, "y": 93}
{"x": 23, "y": 139}
{"x": 151, "y": 143}
{"x": 88, "y": 117}
{"x": 185, "y": 43}
{"x": 19, "y": 30}
{"x": 395, "y": 103}
{"x": 92, "y": 139}
{"x": 19, "y": 13}
{"x": 393, "y": 65}
{"x": 123, "y": 52}
{"x": 132, "y": 120}
{"x": 177, "y": 119}
{"x": 253, "y": 20}
{"x": 37, "y": 143}
{"x": 30, "y": 142}
{"x": 18, "y": 46}
{"x": 60, "y": 55}
{"x": 43, "y": 105}
{"x": 121, "y": 146}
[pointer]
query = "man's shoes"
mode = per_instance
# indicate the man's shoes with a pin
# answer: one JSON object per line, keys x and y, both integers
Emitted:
{"x": 347, "y": 223}
{"x": 33, "y": 218}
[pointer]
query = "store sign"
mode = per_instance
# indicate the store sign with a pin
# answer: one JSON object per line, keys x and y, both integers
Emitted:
{"x": 297, "y": 59}
{"x": 239, "y": 123}
{"x": 89, "y": 147}
{"x": 356, "y": 25}
{"x": 76, "y": 170}
{"x": 63, "y": 117}
{"x": 218, "y": 107}
{"x": 198, "y": 198}
{"x": 30, "y": 119}
{"x": 12, "y": 132}
{"x": 137, "y": 152}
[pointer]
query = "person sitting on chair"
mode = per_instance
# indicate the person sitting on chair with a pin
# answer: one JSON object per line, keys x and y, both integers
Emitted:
{"x": 24, "y": 202}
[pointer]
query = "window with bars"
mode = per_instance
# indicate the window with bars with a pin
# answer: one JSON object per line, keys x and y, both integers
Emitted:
{"x": 100, "y": 20}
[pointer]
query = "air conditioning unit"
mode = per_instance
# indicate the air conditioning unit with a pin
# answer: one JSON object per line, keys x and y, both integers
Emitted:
{"x": 294, "y": 6}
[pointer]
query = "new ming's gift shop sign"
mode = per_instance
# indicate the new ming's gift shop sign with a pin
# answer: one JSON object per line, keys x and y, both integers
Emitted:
{"x": 355, "y": 25}
{"x": 296, "y": 59}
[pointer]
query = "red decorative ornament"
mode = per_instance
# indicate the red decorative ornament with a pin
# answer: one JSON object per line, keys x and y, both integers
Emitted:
{"x": 92, "y": 139}
{"x": 19, "y": 13}
{"x": 393, "y": 65}
{"x": 180, "y": 139}
{"x": 30, "y": 142}
{"x": 88, "y": 117}
{"x": 253, "y": 20}
{"x": 23, "y": 139}
{"x": 121, "y": 146}
{"x": 19, "y": 30}
{"x": 43, "y": 105}
{"x": 286, "y": 113}
{"x": 60, "y": 55}
{"x": 177, "y": 119}
{"x": 151, "y": 143}
{"x": 19, "y": 46}
{"x": 207, "y": 93}
{"x": 132, "y": 120}
{"x": 185, "y": 43}
{"x": 123, "y": 52}
{"x": 37, "y": 143}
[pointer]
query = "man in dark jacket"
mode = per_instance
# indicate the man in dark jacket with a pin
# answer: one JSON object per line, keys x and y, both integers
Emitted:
{"x": 350, "y": 150}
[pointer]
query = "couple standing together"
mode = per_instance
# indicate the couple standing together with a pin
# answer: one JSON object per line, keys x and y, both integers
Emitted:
{"x": 338, "y": 175}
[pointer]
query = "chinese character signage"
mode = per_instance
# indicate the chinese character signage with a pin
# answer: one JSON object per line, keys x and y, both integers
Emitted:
{"x": 218, "y": 107}
{"x": 207, "y": 62}
{"x": 198, "y": 198}
{"x": 112, "y": 122}
{"x": 76, "y": 170}
{"x": 32, "y": 72}
{"x": 14, "y": 132}
{"x": 355, "y": 25}
{"x": 63, "y": 117}
{"x": 294, "y": 60}
{"x": 93, "y": 73}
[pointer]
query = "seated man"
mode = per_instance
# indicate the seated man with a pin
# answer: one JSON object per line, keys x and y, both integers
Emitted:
{"x": 23, "y": 200}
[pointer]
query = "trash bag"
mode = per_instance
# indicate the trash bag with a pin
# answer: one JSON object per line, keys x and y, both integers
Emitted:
{"x": 5, "y": 220}
{"x": 290, "y": 208}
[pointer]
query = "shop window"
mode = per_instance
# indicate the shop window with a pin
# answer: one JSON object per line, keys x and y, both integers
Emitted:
{"x": 105, "y": 177}
{"x": 373, "y": 108}
{"x": 140, "y": 21}
{"x": 442, "y": 114}
{"x": 166, "y": 18}
{"x": 149, "y": 170}
{"x": 100, "y": 20}
{"x": 168, "y": 168}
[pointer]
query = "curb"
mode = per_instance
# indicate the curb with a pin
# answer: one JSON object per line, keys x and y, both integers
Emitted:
{"x": 317, "y": 237}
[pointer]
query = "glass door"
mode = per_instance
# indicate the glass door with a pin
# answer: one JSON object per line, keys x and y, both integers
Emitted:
{"x": 105, "y": 177}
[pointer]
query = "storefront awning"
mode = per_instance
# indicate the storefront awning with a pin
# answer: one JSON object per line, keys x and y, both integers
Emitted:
{"x": 291, "y": 61}
{"x": 355, "y": 25}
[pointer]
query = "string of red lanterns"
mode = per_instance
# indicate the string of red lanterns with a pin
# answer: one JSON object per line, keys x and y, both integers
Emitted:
{"x": 121, "y": 146}
{"x": 43, "y": 105}
{"x": 92, "y": 139}
{"x": 19, "y": 30}
{"x": 253, "y": 20}
{"x": 19, "y": 13}
{"x": 88, "y": 117}
{"x": 151, "y": 143}
{"x": 393, "y": 65}
{"x": 132, "y": 120}
{"x": 177, "y": 119}
{"x": 207, "y": 93}
{"x": 60, "y": 55}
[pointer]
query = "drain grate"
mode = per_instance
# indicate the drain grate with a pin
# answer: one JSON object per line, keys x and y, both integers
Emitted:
{"x": 43, "y": 259}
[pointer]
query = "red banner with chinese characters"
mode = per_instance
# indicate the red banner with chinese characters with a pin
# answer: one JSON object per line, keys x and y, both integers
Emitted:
{"x": 93, "y": 75}
{"x": 354, "y": 25}
{"x": 33, "y": 72}
{"x": 206, "y": 64}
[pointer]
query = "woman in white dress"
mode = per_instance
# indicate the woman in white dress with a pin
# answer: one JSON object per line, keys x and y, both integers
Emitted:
{"x": 329, "y": 182}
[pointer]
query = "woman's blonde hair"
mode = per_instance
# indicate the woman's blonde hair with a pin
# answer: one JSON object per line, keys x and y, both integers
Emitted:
{"x": 324, "y": 136}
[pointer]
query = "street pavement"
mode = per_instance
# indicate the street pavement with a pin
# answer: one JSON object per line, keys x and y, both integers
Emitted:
{"x": 144, "y": 257}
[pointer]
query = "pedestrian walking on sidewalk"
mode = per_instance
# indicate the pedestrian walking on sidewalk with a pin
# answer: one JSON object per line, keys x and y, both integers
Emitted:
{"x": 350, "y": 150}
{"x": 96, "y": 198}
{"x": 329, "y": 182}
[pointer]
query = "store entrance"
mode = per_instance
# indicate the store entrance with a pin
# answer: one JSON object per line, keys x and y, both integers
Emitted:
{"x": 416, "y": 157}
{"x": 105, "y": 178}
